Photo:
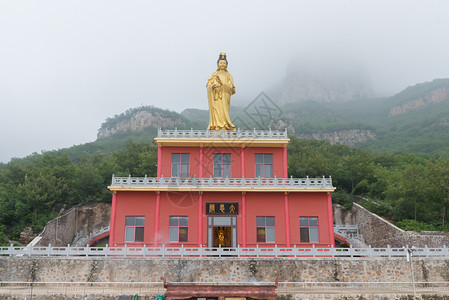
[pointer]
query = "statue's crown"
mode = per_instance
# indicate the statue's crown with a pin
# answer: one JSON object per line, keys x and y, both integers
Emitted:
{"x": 222, "y": 56}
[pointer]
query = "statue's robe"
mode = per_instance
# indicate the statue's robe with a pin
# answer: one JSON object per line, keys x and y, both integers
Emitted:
{"x": 220, "y": 100}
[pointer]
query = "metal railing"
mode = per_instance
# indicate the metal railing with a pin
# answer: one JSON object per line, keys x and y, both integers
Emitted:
{"x": 363, "y": 288}
{"x": 256, "y": 252}
{"x": 142, "y": 289}
{"x": 222, "y": 182}
{"x": 75, "y": 289}
{"x": 86, "y": 240}
{"x": 223, "y": 134}
{"x": 353, "y": 228}
{"x": 351, "y": 234}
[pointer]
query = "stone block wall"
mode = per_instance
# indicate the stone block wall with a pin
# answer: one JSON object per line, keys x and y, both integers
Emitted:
{"x": 86, "y": 269}
{"x": 343, "y": 216}
{"x": 380, "y": 233}
{"x": 88, "y": 218}
{"x": 376, "y": 231}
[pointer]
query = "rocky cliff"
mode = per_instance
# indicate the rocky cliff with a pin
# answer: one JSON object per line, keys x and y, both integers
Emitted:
{"x": 432, "y": 97}
{"x": 139, "y": 120}
{"x": 346, "y": 137}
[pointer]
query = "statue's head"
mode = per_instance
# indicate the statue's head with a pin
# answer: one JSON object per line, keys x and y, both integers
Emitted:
{"x": 222, "y": 62}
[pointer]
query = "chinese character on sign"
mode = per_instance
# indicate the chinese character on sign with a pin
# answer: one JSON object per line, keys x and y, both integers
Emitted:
{"x": 227, "y": 208}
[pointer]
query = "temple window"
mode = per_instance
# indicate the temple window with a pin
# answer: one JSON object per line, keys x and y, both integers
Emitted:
{"x": 222, "y": 165}
{"x": 178, "y": 229}
{"x": 134, "y": 229}
{"x": 265, "y": 229}
{"x": 308, "y": 229}
{"x": 264, "y": 165}
{"x": 180, "y": 164}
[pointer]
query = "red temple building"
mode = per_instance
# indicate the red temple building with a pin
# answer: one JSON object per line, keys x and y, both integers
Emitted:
{"x": 221, "y": 189}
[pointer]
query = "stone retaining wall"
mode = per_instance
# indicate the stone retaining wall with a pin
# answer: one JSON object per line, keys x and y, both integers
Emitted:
{"x": 88, "y": 218}
{"x": 380, "y": 233}
{"x": 87, "y": 269}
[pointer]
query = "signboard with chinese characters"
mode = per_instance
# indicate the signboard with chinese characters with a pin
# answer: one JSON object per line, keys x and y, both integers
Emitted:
{"x": 225, "y": 208}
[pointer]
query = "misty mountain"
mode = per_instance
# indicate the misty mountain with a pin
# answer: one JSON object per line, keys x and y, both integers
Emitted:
{"x": 324, "y": 83}
{"x": 415, "y": 120}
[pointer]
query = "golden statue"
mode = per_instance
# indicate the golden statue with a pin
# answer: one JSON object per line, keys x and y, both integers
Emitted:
{"x": 220, "y": 87}
{"x": 221, "y": 237}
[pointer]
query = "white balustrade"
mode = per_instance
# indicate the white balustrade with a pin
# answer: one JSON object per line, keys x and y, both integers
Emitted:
{"x": 224, "y": 134}
{"x": 221, "y": 182}
{"x": 257, "y": 252}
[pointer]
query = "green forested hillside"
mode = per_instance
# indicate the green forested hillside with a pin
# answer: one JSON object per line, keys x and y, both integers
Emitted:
{"x": 403, "y": 174}
{"x": 400, "y": 186}
{"x": 403, "y": 187}
{"x": 33, "y": 191}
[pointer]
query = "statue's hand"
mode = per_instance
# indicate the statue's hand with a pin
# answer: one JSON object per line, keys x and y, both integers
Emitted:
{"x": 215, "y": 85}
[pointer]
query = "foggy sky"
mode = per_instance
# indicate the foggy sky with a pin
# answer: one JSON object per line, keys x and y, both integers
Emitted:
{"x": 66, "y": 66}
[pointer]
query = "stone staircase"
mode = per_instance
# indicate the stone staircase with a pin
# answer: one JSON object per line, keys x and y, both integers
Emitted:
{"x": 81, "y": 241}
{"x": 351, "y": 234}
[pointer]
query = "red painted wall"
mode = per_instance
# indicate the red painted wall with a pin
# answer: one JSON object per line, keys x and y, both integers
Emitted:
{"x": 265, "y": 205}
{"x": 304, "y": 204}
{"x": 250, "y": 169}
{"x": 269, "y": 204}
{"x": 135, "y": 204}
{"x": 250, "y": 165}
{"x": 209, "y": 161}
{"x": 166, "y": 161}
{"x": 179, "y": 204}
{"x": 309, "y": 205}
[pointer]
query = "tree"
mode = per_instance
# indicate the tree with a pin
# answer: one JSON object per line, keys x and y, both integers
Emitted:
{"x": 440, "y": 170}
{"x": 413, "y": 185}
{"x": 139, "y": 159}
